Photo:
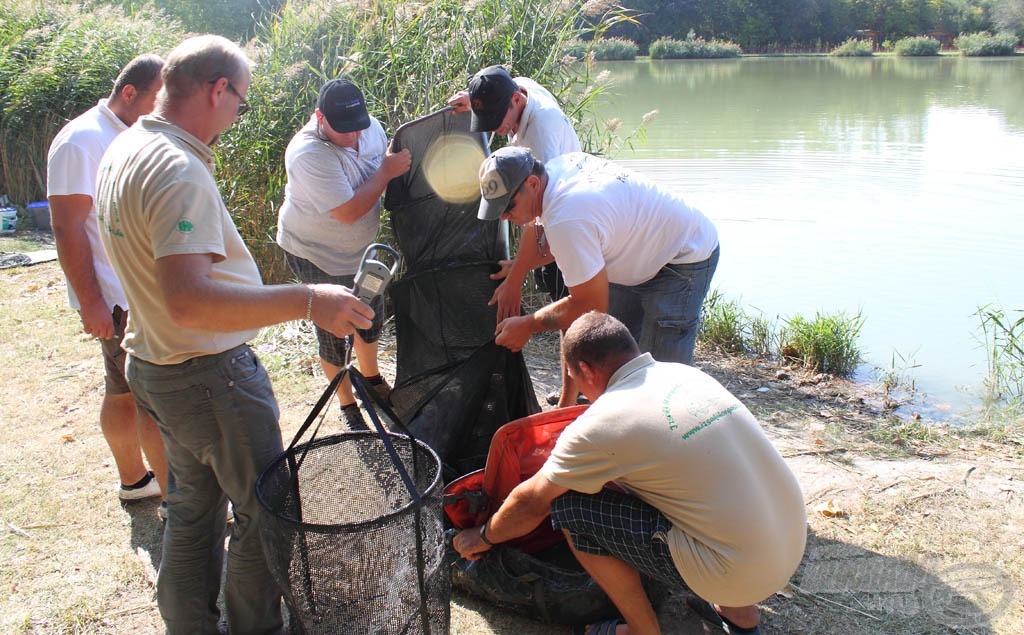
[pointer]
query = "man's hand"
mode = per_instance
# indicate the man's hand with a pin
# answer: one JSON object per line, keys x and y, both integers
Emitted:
{"x": 467, "y": 542}
{"x": 459, "y": 101}
{"x": 395, "y": 163}
{"x": 335, "y": 309}
{"x": 513, "y": 333}
{"x": 97, "y": 319}
{"x": 509, "y": 294}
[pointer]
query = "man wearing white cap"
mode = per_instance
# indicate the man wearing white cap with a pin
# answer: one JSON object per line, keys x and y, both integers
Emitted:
{"x": 625, "y": 245}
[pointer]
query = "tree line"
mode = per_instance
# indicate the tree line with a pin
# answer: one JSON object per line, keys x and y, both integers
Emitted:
{"x": 813, "y": 25}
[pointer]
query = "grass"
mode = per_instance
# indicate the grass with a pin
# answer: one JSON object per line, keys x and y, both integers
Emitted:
{"x": 854, "y": 48}
{"x": 692, "y": 47}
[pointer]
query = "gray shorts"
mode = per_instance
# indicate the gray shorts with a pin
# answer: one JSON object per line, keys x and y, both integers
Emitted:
{"x": 114, "y": 381}
{"x": 333, "y": 348}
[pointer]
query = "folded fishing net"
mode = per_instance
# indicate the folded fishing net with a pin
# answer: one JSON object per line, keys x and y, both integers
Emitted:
{"x": 454, "y": 386}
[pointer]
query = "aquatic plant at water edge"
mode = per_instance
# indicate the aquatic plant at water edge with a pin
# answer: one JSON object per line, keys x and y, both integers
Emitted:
{"x": 723, "y": 323}
{"x": 1002, "y": 334}
{"x": 853, "y": 48}
{"x": 692, "y": 47}
{"x": 920, "y": 46}
{"x": 827, "y": 344}
{"x": 985, "y": 44}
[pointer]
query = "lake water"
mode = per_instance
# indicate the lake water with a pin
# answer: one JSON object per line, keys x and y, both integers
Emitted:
{"x": 894, "y": 187}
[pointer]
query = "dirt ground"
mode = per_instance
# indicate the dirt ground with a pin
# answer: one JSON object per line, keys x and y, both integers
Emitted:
{"x": 912, "y": 529}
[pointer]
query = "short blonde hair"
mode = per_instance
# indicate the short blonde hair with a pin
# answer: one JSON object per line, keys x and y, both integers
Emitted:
{"x": 202, "y": 59}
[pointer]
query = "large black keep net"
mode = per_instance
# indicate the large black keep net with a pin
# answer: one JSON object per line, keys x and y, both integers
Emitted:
{"x": 454, "y": 387}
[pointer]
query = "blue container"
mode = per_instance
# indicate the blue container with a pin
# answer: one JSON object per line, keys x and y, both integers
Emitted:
{"x": 39, "y": 211}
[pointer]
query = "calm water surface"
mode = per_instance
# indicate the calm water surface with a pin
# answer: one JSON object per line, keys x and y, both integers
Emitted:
{"x": 893, "y": 187}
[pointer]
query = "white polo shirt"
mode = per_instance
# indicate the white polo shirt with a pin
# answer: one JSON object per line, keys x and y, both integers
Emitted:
{"x": 71, "y": 166}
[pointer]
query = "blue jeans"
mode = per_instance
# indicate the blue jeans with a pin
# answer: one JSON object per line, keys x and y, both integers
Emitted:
{"x": 219, "y": 421}
{"x": 663, "y": 314}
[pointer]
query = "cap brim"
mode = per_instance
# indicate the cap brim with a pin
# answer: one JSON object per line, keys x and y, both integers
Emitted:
{"x": 485, "y": 122}
{"x": 492, "y": 208}
{"x": 350, "y": 125}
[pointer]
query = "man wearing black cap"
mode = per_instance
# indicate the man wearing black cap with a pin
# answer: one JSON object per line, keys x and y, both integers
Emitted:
{"x": 625, "y": 245}
{"x": 530, "y": 116}
{"x": 338, "y": 166}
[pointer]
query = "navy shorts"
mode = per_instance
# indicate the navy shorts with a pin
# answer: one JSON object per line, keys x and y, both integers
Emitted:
{"x": 333, "y": 348}
{"x": 624, "y": 527}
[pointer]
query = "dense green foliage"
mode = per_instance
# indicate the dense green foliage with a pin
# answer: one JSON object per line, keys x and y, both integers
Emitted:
{"x": 781, "y": 25}
{"x": 55, "y": 62}
{"x": 853, "y": 48}
{"x": 614, "y": 49}
{"x": 919, "y": 46}
{"x": 692, "y": 47}
{"x": 985, "y": 44}
{"x": 234, "y": 19}
{"x": 408, "y": 59}
{"x": 826, "y": 344}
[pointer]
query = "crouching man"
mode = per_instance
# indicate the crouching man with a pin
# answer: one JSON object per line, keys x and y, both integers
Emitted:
{"x": 711, "y": 507}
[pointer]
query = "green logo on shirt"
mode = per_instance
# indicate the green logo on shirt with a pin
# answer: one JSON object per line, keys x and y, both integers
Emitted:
{"x": 185, "y": 226}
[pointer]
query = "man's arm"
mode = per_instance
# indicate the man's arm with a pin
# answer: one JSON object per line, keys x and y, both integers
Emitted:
{"x": 514, "y": 332}
{"x": 195, "y": 300}
{"x": 509, "y": 294}
{"x": 69, "y": 213}
{"x": 524, "y": 509}
{"x": 366, "y": 196}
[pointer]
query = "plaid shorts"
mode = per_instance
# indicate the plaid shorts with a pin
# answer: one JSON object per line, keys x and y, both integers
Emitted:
{"x": 624, "y": 527}
{"x": 332, "y": 347}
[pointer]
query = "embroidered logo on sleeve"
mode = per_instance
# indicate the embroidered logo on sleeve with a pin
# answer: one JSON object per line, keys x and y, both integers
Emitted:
{"x": 185, "y": 226}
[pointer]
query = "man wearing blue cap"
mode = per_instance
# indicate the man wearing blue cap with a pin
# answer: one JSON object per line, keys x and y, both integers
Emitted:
{"x": 624, "y": 244}
{"x": 338, "y": 166}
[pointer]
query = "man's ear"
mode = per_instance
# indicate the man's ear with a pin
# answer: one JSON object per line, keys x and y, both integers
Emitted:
{"x": 129, "y": 93}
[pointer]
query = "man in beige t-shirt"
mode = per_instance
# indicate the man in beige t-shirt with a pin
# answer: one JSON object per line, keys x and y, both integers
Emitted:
{"x": 709, "y": 504}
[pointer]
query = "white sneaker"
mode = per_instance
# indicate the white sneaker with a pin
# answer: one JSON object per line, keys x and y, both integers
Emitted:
{"x": 145, "y": 488}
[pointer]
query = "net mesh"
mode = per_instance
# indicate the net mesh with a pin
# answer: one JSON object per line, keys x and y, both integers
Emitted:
{"x": 454, "y": 387}
{"x": 352, "y": 549}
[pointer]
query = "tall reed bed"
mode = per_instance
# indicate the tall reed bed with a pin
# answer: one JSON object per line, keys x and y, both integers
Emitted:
{"x": 56, "y": 61}
{"x": 407, "y": 59}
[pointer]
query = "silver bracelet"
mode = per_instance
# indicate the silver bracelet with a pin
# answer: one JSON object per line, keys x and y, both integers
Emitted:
{"x": 309, "y": 302}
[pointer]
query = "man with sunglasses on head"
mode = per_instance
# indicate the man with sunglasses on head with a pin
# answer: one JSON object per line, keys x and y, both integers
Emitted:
{"x": 338, "y": 166}
{"x": 626, "y": 246}
{"x": 197, "y": 298}
{"x": 529, "y": 115}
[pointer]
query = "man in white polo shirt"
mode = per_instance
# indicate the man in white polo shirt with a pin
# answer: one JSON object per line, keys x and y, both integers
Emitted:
{"x": 93, "y": 288}
{"x": 624, "y": 244}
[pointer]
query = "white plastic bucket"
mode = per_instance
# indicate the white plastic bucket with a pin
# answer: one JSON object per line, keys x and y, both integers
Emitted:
{"x": 8, "y": 220}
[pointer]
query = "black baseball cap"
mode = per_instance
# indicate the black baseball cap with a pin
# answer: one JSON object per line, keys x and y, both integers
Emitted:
{"x": 343, "y": 105}
{"x": 490, "y": 93}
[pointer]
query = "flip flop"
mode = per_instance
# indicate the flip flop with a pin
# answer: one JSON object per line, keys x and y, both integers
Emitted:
{"x": 706, "y": 610}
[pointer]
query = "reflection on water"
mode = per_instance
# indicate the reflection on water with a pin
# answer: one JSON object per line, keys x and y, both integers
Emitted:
{"x": 890, "y": 186}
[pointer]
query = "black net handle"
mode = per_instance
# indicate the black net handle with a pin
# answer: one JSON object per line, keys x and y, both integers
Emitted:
{"x": 360, "y": 386}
